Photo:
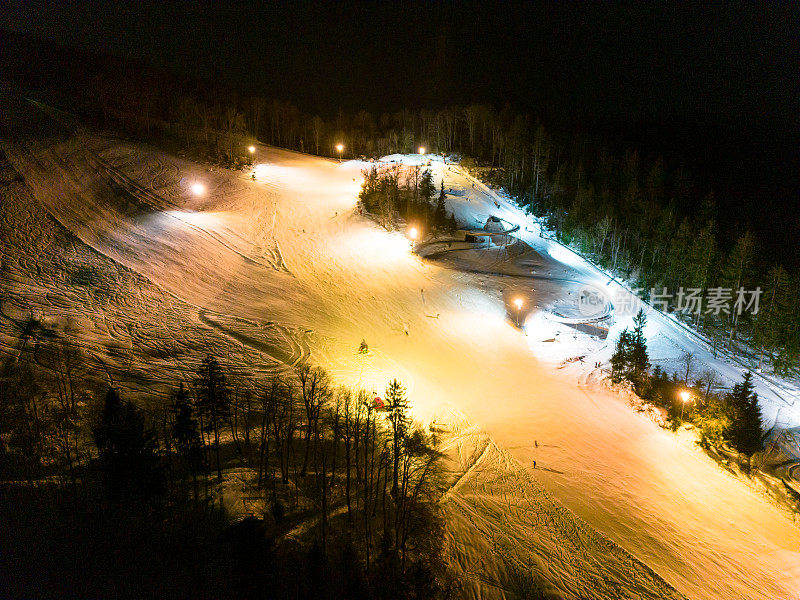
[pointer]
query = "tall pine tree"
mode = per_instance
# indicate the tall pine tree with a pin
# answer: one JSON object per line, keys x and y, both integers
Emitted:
{"x": 774, "y": 314}
{"x": 213, "y": 401}
{"x": 186, "y": 433}
{"x": 639, "y": 361}
{"x": 621, "y": 357}
{"x": 745, "y": 432}
{"x": 630, "y": 361}
{"x": 397, "y": 403}
{"x": 426, "y": 187}
{"x": 440, "y": 214}
{"x": 128, "y": 450}
{"x": 737, "y": 273}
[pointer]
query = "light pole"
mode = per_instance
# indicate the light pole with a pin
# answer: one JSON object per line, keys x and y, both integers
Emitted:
{"x": 252, "y": 151}
{"x": 339, "y": 148}
{"x": 518, "y": 304}
{"x": 685, "y": 397}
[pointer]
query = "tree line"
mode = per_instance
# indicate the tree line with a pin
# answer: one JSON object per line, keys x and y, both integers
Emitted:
{"x": 348, "y": 493}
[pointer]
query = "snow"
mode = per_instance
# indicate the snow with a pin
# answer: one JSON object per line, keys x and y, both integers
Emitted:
{"x": 288, "y": 256}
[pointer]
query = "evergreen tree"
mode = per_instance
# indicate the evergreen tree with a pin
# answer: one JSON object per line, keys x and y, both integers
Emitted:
{"x": 708, "y": 210}
{"x": 654, "y": 182}
{"x": 426, "y": 187}
{"x": 639, "y": 361}
{"x": 621, "y": 357}
{"x": 678, "y": 256}
{"x": 452, "y": 226}
{"x": 775, "y": 311}
{"x": 369, "y": 188}
{"x": 398, "y": 418}
{"x": 737, "y": 273}
{"x": 186, "y": 432}
{"x": 745, "y": 433}
{"x": 702, "y": 262}
{"x": 440, "y": 220}
{"x": 786, "y": 358}
{"x": 128, "y": 449}
{"x": 213, "y": 401}
{"x": 630, "y": 361}
{"x": 185, "y": 429}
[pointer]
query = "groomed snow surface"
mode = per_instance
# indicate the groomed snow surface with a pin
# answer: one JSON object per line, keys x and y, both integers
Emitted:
{"x": 284, "y": 268}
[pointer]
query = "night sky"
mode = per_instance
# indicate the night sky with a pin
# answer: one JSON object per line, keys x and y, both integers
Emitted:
{"x": 637, "y": 59}
{"x": 713, "y": 87}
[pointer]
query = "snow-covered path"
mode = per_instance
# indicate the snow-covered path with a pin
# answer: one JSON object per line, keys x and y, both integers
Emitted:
{"x": 289, "y": 248}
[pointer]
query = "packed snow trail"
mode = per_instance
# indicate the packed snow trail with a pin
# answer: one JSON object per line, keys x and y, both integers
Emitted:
{"x": 346, "y": 279}
{"x": 539, "y": 539}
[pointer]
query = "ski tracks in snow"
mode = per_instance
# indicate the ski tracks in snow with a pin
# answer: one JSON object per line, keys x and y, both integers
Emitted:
{"x": 502, "y": 523}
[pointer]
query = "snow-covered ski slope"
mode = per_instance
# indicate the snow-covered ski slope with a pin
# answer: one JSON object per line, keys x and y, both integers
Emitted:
{"x": 289, "y": 250}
